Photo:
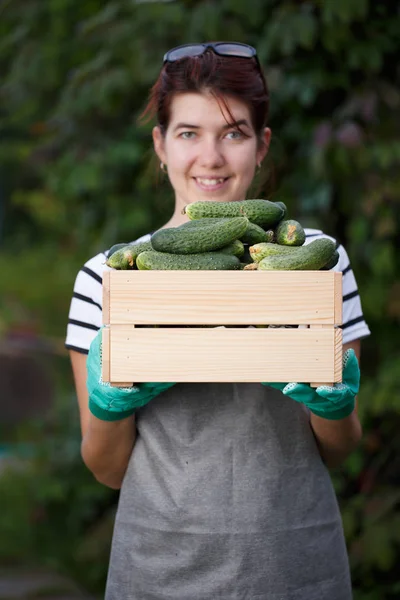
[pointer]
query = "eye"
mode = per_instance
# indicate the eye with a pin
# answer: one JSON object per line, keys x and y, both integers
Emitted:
{"x": 234, "y": 135}
{"x": 187, "y": 135}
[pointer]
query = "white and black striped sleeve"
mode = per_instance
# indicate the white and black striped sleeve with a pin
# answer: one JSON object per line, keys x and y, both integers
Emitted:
{"x": 354, "y": 326}
{"x": 85, "y": 313}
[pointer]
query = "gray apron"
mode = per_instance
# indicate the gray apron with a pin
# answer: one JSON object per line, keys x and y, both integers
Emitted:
{"x": 226, "y": 497}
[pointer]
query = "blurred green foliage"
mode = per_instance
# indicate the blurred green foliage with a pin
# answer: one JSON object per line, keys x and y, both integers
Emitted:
{"x": 52, "y": 511}
{"x": 77, "y": 175}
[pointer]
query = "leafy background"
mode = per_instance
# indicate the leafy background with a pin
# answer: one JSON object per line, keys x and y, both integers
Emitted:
{"x": 77, "y": 174}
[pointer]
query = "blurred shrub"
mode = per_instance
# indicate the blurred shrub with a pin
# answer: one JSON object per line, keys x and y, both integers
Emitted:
{"x": 76, "y": 176}
{"x": 52, "y": 510}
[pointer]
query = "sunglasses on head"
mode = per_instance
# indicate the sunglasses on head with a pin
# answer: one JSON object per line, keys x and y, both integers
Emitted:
{"x": 235, "y": 49}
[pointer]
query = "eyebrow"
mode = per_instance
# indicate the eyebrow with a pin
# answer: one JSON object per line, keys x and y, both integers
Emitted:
{"x": 236, "y": 124}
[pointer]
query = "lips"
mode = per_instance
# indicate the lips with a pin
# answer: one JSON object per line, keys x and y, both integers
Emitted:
{"x": 211, "y": 183}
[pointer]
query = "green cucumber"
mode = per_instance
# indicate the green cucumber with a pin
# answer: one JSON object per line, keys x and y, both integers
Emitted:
{"x": 332, "y": 262}
{"x": 116, "y": 247}
{"x": 284, "y": 208}
{"x": 260, "y": 251}
{"x": 206, "y": 261}
{"x": 255, "y": 234}
{"x": 177, "y": 240}
{"x": 290, "y": 233}
{"x": 125, "y": 257}
{"x": 261, "y": 212}
{"x": 236, "y": 248}
{"x": 304, "y": 258}
{"x": 202, "y": 222}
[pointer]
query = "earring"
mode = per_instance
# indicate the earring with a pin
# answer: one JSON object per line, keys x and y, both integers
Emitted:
{"x": 258, "y": 168}
{"x": 163, "y": 167}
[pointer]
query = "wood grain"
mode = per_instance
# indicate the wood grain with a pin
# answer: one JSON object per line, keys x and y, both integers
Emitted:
{"x": 222, "y": 354}
{"x": 338, "y": 297}
{"x": 337, "y": 355}
{"x": 222, "y": 297}
{"x": 106, "y": 351}
{"x": 188, "y": 300}
{"x": 106, "y": 297}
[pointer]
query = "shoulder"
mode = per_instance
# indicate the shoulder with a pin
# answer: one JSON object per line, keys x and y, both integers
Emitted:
{"x": 93, "y": 269}
{"x": 143, "y": 238}
{"x": 354, "y": 326}
{"x": 313, "y": 234}
{"x": 85, "y": 314}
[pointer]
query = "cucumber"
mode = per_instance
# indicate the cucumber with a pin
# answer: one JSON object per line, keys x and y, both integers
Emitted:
{"x": 261, "y": 212}
{"x": 125, "y": 257}
{"x": 260, "y": 251}
{"x": 255, "y": 234}
{"x": 304, "y": 258}
{"x": 202, "y": 222}
{"x": 284, "y": 208}
{"x": 290, "y": 233}
{"x": 206, "y": 261}
{"x": 177, "y": 240}
{"x": 116, "y": 247}
{"x": 332, "y": 262}
{"x": 236, "y": 248}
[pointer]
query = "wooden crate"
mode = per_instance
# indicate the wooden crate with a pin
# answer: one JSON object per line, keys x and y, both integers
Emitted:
{"x": 190, "y": 353}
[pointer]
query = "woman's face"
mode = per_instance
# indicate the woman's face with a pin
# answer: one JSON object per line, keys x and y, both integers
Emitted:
{"x": 207, "y": 157}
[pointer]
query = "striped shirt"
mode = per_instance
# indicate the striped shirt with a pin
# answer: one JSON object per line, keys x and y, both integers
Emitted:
{"x": 85, "y": 314}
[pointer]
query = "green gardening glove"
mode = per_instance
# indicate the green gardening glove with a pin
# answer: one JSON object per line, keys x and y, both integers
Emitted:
{"x": 110, "y": 403}
{"x": 329, "y": 402}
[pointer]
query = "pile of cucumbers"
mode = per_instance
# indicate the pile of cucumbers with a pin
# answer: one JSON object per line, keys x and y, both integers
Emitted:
{"x": 251, "y": 234}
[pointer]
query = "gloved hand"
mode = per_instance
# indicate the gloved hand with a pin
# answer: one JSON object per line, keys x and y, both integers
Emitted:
{"x": 329, "y": 402}
{"x": 110, "y": 403}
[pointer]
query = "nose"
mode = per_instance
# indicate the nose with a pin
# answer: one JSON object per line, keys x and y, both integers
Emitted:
{"x": 210, "y": 154}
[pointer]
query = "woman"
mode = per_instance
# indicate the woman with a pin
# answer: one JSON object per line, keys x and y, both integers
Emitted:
{"x": 225, "y": 491}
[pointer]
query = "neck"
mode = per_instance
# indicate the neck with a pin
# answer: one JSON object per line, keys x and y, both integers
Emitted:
{"x": 176, "y": 220}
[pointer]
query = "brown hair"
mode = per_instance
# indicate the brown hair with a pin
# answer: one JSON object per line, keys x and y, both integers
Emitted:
{"x": 220, "y": 75}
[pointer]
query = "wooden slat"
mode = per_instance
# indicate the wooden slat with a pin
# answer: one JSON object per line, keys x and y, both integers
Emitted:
{"x": 338, "y": 297}
{"x": 224, "y": 354}
{"x": 106, "y": 298}
{"x": 106, "y": 351}
{"x": 223, "y": 297}
{"x": 338, "y": 351}
{"x": 313, "y": 383}
{"x": 336, "y": 355}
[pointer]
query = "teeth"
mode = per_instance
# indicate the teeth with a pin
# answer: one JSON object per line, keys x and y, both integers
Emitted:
{"x": 210, "y": 181}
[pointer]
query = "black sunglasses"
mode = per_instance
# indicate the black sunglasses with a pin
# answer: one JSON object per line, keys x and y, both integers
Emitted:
{"x": 222, "y": 48}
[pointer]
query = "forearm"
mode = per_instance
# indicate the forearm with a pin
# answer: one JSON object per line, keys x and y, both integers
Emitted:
{"x": 107, "y": 447}
{"x": 336, "y": 439}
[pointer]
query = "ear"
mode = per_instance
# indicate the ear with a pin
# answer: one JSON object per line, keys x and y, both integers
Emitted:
{"x": 264, "y": 146}
{"x": 159, "y": 143}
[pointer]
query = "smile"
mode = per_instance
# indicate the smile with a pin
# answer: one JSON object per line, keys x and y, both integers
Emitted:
{"x": 211, "y": 183}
